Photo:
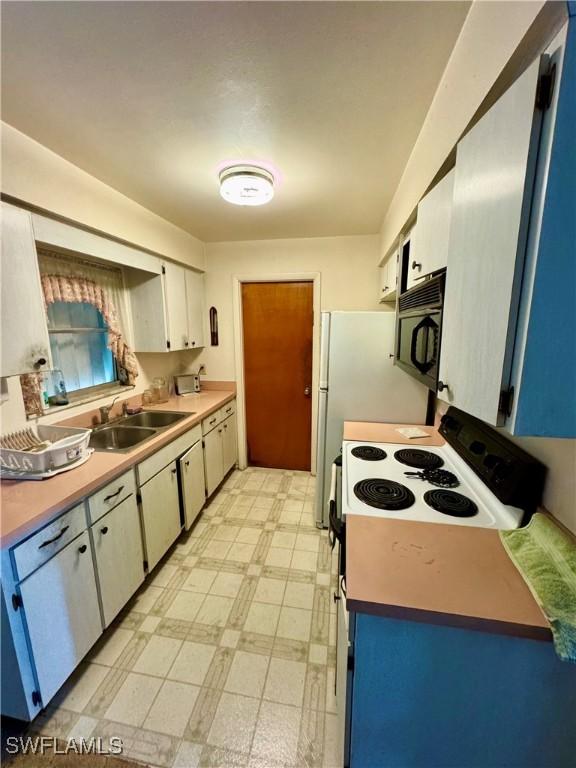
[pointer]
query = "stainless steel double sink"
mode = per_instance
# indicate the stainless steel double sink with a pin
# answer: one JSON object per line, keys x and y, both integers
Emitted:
{"x": 124, "y": 434}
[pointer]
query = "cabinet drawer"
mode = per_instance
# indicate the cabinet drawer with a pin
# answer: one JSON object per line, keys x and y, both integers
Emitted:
{"x": 40, "y": 547}
{"x": 168, "y": 454}
{"x": 210, "y": 422}
{"x": 111, "y": 495}
{"x": 228, "y": 409}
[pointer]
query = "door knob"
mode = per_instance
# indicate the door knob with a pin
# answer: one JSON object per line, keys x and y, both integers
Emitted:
{"x": 307, "y": 391}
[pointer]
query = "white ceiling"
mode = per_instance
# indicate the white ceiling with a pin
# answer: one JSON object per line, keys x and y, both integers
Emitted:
{"x": 153, "y": 97}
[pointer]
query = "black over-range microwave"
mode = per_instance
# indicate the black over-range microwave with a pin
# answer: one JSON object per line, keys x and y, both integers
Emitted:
{"x": 419, "y": 329}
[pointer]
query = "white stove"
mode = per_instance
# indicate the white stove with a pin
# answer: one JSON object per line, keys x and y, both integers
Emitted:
{"x": 420, "y": 483}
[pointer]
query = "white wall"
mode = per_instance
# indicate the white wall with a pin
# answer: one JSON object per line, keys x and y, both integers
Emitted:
{"x": 36, "y": 175}
{"x": 348, "y": 280}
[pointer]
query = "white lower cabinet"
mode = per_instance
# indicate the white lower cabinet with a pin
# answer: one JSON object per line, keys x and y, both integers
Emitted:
{"x": 119, "y": 556}
{"x": 192, "y": 479}
{"x": 160, "y": 513}
{"x": 213, "y": 459}
{"x": 229, "y": 443}
{"x": 60, "y": 604}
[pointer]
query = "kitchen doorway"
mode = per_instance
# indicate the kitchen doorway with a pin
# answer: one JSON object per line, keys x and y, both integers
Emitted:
{"x": 277, "y": 335}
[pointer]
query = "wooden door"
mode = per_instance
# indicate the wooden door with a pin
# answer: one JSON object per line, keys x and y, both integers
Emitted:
{"x": 119, "y": 557}
{"x": 278, "y": 320}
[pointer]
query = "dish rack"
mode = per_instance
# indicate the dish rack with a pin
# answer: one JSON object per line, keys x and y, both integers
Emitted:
{"x": 44, "y": 452}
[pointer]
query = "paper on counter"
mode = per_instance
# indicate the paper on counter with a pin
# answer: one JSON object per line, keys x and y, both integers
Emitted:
{"x": 412, "y": 432}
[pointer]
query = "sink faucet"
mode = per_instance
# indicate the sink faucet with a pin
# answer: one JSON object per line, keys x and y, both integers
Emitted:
{"x": 105, "y": 411}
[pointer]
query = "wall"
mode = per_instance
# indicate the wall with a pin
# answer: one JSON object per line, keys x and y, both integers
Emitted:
{"x": 348, "y": 280}
{"x": 37, "y": 176}
{"x": 491, "y": 34}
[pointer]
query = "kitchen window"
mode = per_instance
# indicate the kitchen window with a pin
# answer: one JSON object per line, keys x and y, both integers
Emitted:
{"x": 79, "y": 344}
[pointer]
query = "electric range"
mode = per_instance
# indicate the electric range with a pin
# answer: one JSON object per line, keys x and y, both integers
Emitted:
{"x": 477, "y": 478}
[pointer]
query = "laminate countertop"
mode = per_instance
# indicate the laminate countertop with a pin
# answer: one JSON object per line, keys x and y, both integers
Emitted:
{"x": 27, "y": 505}
{"x": 452, "y": 575}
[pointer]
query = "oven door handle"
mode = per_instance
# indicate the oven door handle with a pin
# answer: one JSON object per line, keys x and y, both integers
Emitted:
{"x": 336, "y": 527}
{"x": 423, "y": 326}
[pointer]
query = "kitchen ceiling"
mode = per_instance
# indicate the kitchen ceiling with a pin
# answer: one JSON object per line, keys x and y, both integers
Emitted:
{"x": 153, "y": 98}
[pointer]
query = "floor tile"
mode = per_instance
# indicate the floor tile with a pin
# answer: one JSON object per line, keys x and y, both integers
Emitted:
{"x": 299, "y": 595}
{"x": 215, "y": 610}
{"x": 134, "y": 699}
{"x": 277, "y": 731}
{"x": 185, "y": 606}
{"x": 157, "y": 657}
{"x": 284, "y": 540}
{"x": 145, "y": 599}
{"x": 270, "y": 591}
{"x": 308, "y": 542}
{"x": 294, "y": 623}
{"x": 234, "y": 721}
{"x": 200, "y": 580}
{"x": 150, "y": 624}
{"x": 262, "y": 618}
{"x": 192, "y": 663}
{"x": 279, "y": 558}
{"x": 216, "y": 549}
{"x": 303, "y": 561}
{"x": 318, "y": 653}
{"x": 230, "y": 638}
{"x": 241, "y": 552}
{"x": 188, "y": 755}
{"x": 285, "y": 682}
{"x": 226, "y": 584}
{"x": 113, "y": 644}
{"x": 247, "y": 674}
{"x": 78, "y": 692}
{"x": 248, "y": 535}
{"x": 83, "y": 728}
{"x": 172, "y": 708}
{"x": 161, "y": 577}
{"x": 226, "y": 533}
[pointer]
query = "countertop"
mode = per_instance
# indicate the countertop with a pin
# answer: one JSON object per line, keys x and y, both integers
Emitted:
{"x": 442, "y": 574}
{"x": 27, "y": 505}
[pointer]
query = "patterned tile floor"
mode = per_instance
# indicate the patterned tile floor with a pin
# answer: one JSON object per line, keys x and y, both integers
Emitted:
{"x": 226, "y": 656}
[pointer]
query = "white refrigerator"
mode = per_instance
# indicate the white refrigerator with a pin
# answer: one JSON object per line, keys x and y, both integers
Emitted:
{"x": 359, "y": 382}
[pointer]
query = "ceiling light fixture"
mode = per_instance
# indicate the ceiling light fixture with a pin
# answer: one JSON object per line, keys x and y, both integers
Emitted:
{"x": 246, "y": 185}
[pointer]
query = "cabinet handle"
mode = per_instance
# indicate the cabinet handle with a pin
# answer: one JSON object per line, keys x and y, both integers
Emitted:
{"x": 219, "y": 431}
{"x": 58, "y": 536}
{"x": 193, "y": 343}
{"x": 185, "y": 343}
{"x": 212, "y": 422}
{"x": 187, "y": 463}
{"x": 416, "y": 265}
{"x": 442, "y": 386}
{"x": 113, "y": 495}
{"x": 104, "y": 530}
{"x": 225, "y": 426}
{"x": 337, "y": 597}
{"x": 82, "y": 549}
{"x": 173, "y": 471}
{"x": 40, "y": 362}
{"x": 228, "y": 410}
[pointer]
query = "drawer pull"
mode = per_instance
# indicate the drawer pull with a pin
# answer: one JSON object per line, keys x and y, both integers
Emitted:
{"x": 113, "y": 495}
{"x": 228, "y": 410}
{"x": 187, "y": 463}
{"x": 104, "y": 530}
{"x": 58, "y": 536}
{"x": 212, "y": 422}
{"x": 82, "y": 549}
{"x": 173, "y": 471}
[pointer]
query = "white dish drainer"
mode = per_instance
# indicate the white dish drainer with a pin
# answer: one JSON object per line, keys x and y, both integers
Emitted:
{"x": 43, "y": 452}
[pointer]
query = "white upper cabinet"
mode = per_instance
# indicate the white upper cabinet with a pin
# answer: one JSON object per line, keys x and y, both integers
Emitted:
{"x": 195, "y": 306}
{"x": 25, "y": 343}
{"x": 176, "y": 310}
{"x": 493, "y": 187}
{"x": 431, "y": 235}
{"x": 167, "y": 309}
{"x": 389, "y": 277}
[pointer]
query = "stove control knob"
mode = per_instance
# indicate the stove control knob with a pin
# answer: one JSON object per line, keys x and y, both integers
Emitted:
{"x": 477, "y": 447}
{"x": 502, "y": 472}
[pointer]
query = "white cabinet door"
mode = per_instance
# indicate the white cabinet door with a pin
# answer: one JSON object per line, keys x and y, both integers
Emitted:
{"x": 193, "y": 483}
{"x": 213, "y": 459}
{"x": 160, "y": 513}
{"x": 175, "y": 290}
{"x": 148, "y": 307}
{"x": 384, "y": 287}
{"x": 25, "y": 342}
{"x": 117, "y": 540}
{"x": 229, "y": 443}
{"x": 388, "y": 278}
{"x": 60, "y": 603}
{"x": 195, "y": 304}
{"x": 431, "y": 235}
{"x": 492, "y": 192}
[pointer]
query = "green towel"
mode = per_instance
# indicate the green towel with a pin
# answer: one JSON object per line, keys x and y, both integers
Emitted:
{"x": 546, "y": 558}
